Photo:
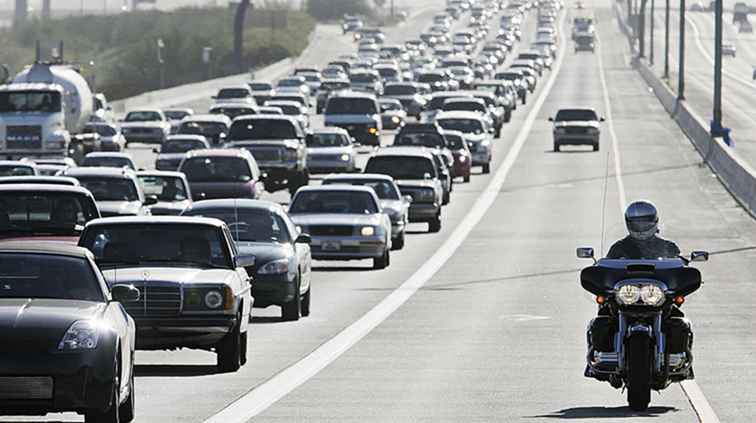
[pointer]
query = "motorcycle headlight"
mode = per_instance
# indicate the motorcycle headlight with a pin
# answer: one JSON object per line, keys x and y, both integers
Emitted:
{"x": 628, "y": 295}
{"x": 367, "y": 231}
{"x": 213, "y": 299}
{"x": 82, "y": 335}
{"x": 274, "y": 267}
{"x": 652, "y": 295}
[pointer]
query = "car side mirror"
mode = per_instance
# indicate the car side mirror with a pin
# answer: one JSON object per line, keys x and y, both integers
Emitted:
{"x": 303, "y": 239}
{"x": 124, "y": 293}
{"x": 551, "y": 119}
{"x": 585, "y": 253}
{"x": 407, "y": 199}
{"x": 601, "y": 119}
{"x": 699, "y": 256}
{"x": 150, "y": 200}
{"x": 156, "y": 150}
{"x": 426, "y": 176}
{"x": 244, "y": 260}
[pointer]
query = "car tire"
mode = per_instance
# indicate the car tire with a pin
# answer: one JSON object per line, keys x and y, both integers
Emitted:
{"x": 446, "y": 199}
{"x": 595, "y": 147}
{"x": 508, "y": 115}
{"x": 466, "y": 178}
{"x": 383, "y": 261}
{"x": 291, "y": 310}
{"x": 126, "y": 411}
{"x": 487, "y": 168}
{"x": 244, "y": 342}
{"x": 556, "y": 147}
{"x": 305, "y": 307}
{"x": 398, "y": 242}
{"x": 434, "y": 225}
{"x": 111, "y": 414}
{"x": 228, "y": 350}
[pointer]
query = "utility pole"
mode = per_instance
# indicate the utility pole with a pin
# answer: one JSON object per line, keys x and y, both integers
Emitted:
{"x": 642, "y": 29}
{"x": 161, "y": 61}
{"x": 20, "y": 13}
{"x": 717, "y": 64}
{"x": 651, "y": 45}
{"x": 239, "y": 18}
{"x": 666, "y": 39}
{"x": 681, "y": 60}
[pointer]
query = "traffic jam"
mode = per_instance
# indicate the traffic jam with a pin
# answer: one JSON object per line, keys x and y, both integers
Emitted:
{"x": 243, "y": 198}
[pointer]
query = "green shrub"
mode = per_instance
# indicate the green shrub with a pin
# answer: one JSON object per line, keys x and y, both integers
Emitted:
{"x": 335, "y": 9}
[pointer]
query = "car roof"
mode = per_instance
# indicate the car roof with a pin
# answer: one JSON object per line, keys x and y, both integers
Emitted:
{"x": 354, "y": 94}
{"x": 267, "y": 117}
{"x": 166, "y": 173}
{"x": 241, "y": 203}
{"x": 470, "y": 99}
{"x": 16, "y": 163}
{"x": 459, "y": 114}
{"x": 404, "y": 151}
{"x": 217, "y": 152}
{"x": 330, "y": 130}
{"x": 179, "y": 137}
{"x": 352, "y": 188}
{"x": 206, "y": 118}
{"x": 358, "y": 176}
{"x": 109, "y": 154}
{"x": 147, "y": 220}
{"x": 274, "y": 103}
{"x": 39, "y": 179}
{"x": 232, "y": 106}
{"x": 109, "y": 172}
{"x": 42, "y": 187}
{"x": 56, "y": 248}
{"x": 145, "y": 110}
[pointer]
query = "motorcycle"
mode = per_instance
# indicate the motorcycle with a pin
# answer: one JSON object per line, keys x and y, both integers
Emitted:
{"x": 640, "y": 339}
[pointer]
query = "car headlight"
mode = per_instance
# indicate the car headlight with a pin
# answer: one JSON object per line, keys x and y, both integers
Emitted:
{"x": 373, "y": 131}
{"x": 291, "y": 154}
{"x": 628, "y": 294}
{"x": 462, "y": 159}
{"x": 485, "y": 143}
{"x": 82, "y": 335}
{"x": 274, "y": 267}
{"x": 345, "y": 157}
{"x": 213, "y": 299}
{"x": 652, "y": 295}
{"x": 367, "y": 231}
{"x": 395, "y": 119}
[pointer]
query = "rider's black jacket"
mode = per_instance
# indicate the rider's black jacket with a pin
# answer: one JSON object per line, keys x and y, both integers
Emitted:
{"x": 652, "y": 248}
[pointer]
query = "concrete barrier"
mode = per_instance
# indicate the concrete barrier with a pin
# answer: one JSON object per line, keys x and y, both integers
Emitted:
{"x": 738, "y": 177}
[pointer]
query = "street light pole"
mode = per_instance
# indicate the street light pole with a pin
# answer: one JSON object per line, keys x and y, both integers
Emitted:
{"x": 161, "y": 61}
{"x": 651, "y": 45}
{"x": 666, "y": 39}
{"x": 681, "y": 60}
{"x": 717, "y": 64}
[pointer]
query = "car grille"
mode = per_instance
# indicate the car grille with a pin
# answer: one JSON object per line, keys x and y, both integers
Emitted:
{"x": 331, "y": 230}
{"x": 155, "y": 301}
{"x": 266, "y": 154}
{"x": 26, "y": 388}
{"x": 414, "y": 193}
{"x": 23, "y": 136}
{"x": 576, "y": 130}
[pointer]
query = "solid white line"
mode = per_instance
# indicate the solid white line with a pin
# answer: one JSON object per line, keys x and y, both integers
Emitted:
{"x": 690, "y": 388}
{"x": 275, "y": 388}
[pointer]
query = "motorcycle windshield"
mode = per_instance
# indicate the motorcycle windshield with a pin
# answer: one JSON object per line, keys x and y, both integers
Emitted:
{"x": 601, "y": 278}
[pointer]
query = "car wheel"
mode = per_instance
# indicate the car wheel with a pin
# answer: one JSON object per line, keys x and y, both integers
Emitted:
{"x": 435, "y": 224}
{"x": 243, "y": 348}
{"x": 111, "y": 414}
{"x": 126, "y": 411}
{"x": 290, "y": 311}
{"x": 595, "y": 147}
{"x": 228, "y": 350}
{"x": 556, "y": 147}
{"x": 446, "y": 199}
{"x": 306, "y": 302}
{"x": 487, "y": 168}
{"x": 466, "y": 178}
{"x": 398, "y": 242}
{"x": 508, "y": 115}
{"x": 383, "y": 261}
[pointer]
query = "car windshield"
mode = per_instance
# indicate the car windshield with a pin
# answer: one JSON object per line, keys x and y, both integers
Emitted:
{"x": 327, "y": 140}
{"x": 33, "y": 275}
{"x": 110, "y": 189}
{"x": 232, "y": 93}
{"x": 351, "y": 106}
{"x": 575, "y": 115}
{"x": 165, "y": 188}
{"x": 385, "y": 190}
{"x": 30, "y": 101}
{"x": 143, "y": 116}
{"x": 437, "y": 102}
{"x": 333, "y": 202}
{"x": 290, "y": 82}
{"x": 362, "y": 77}
{"x": 262, "y": 129}
{"x": 16, "y": 170}
{"x": 176, "y": 114}
{"x": 390, "y": 105}
{"x": 181, "y": 146}
{"x": 202, "y": 128}
{"x": 101, "y": 130}
{"x": 232, "y": 112}
{"x": 42, "y": 212}
{"x": 420, "y": 139}
{"x": 170, "y": 244}
{"x": 400, "y": 90}
{"x": 333, "y": 86}
{"x": 466, "y": 126}
{"x": 216, "y": 169}
{"x": 401, "y": 167}
{"x": 455, "y": 142}
{"x": 107, "y": 162}
{"x": 299, "y": 99}
{"x": 248, "y": 224}
{"x": 468, "y": 106}
{"x": 430, "y": 78}
{"x": 259, "y": 86}
{"x": 289, "y": 109}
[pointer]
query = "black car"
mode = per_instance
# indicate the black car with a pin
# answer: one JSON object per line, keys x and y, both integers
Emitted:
{"x": 67, "y": 343}
{"x": 283, "y": 263}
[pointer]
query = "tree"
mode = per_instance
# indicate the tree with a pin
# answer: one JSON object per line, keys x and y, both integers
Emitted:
{"x": 335, "y": 9}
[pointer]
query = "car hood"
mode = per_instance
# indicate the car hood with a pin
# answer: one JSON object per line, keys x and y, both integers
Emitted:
{"x": 211, "y": 190}
{"x": 138, "y": 275}
{"x": 329, "y": 151}
{"x": 265, "y": 252}
{"x": 119, "y": 207}
{"x": 30, "y": 325}
{"x": 577, "y": 123}
{"x": 288, "y": 143}
{"x": 336, "y": 219}
{"x": 169, "y": 208}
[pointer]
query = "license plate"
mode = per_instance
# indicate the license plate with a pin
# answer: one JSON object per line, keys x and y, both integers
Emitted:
{"x": 26, "y": 388}
{"x": 331, "y": 246}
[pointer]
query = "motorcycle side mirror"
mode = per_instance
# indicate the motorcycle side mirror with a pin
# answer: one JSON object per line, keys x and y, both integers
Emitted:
{"x": 585, "y": 253}
{"x": 699, "y": 256}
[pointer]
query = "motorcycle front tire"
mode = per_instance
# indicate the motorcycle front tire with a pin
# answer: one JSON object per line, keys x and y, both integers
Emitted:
{"x": 639, "y": 372}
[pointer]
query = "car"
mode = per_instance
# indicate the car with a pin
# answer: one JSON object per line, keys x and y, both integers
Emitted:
{"x": 222, "y": 173}
{"x": 438, "y": 80}
{"x": 476, "y": 133}
{"x": 429, "y": 135}
{"x": 40, "y": 179}
{"x": 214, "y": 127}
{"x": 50, "y": 166}
{"x": 334, "y": 72}
{"x": 697, "y": 6}
{"x": 60, "y": 210}
{"x": 291, "y": 96}
{"x": 269, "y": 110}
{"x": 293, "y": 110}
{"x": 174, "y": 149}
{"x": 327, "y": 88}
{"x": 117, "y": 191}
{"x": 577, "y": 126}
{"x": 233, "y": 110}
{"x": 585, "y": 42}
{"x": 351, "y": 25}
{"x": 358, "y": 113}
{"x": 472, "y": 104}
{"x": 728, "y": 49}
{"x": 366, "y": 80}
{"x": 344, "y": 223}
{"x": 293, "y": 84}
{"x": 278, "y": 146}
{"x": 412, "y": 95}
{"x": 241, "y": 94}
{"x": 313, "y": 79}
{"x": 145, "y": 126}
{"x": 102, "y": 159}
{"x": 392, "y": 202}
{"x": 461, "y": 168}
{"x": 68, "y": 344}
{"x": 437, "y": 101}
{"x": 393, "y": 115}
{"x": 497, "y": 113}
{"x": 17, "y": 168}
{"x": 170, "y": 188}
{"x": 261, "y": 91}
{"x": 282, "y": 273}
{"x": 517, "y": 77}
{"x": 388, "y": 73}
{"x": 415, "y": 172}
{"x": 111, "y": 138}
{"x": 193, "y": 284}
{"x": 175, "y": 116}
{"x": 329, "y": 150}
{"x": 505, "y": 92}
{"x": 103, "y": 111}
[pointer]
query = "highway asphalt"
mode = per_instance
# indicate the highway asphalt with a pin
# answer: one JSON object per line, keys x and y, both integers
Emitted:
{"x": 493, "y": 327}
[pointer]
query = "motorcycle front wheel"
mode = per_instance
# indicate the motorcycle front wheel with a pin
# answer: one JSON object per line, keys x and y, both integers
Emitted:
{"x": 639, "y": 372}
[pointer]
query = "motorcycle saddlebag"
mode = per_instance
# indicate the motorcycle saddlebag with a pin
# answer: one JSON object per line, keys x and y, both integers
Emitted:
{"x": 679, "y": 335}
{"x": 601, "y": 334}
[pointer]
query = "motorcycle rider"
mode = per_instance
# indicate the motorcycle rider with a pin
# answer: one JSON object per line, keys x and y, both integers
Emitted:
{"x": 642, "y": 222}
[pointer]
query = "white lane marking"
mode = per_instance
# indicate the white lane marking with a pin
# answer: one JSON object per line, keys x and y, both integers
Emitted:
{"x": 707, "y": 56}
{"x": 275, "y": 388}
{"x": 690, "y": 388}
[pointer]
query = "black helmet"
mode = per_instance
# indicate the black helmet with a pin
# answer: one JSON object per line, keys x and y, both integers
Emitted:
{"x": 641, "y": 219}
